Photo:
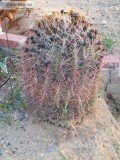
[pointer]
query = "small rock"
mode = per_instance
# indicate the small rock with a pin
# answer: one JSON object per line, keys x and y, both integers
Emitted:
{"x": 23, "y": 128}
{"x": 117, "y": 9}
{"x": 21, "y": 142}
{"x": 20, "y": 115}
{"x": 9, "y": 144}
{"x": 104, "y": 22}
{"x": 13, "y": 151}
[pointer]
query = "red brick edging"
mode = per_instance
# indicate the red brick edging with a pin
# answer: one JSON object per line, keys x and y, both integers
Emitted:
{"x": 14, "y": 41}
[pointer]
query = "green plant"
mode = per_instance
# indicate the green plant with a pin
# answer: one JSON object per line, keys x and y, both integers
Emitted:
{"x": 63, "y": 156}
{"x": 92, "y": 102}
{"x": 5, "y": 105}
{"x": 100, "y": 88}
{"x": 7, "y": 118}
{"x": 17, "y": 94}
{"x": 16, "y": 101}
{"x": 117, "y": 148}
{"x": 3, "y": 66}
{"x": 59, "y": 69}
{"x": 65, "y": 108}
{"x": 108, "y": 41}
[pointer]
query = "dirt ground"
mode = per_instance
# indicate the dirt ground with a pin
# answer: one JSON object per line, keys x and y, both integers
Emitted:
{"x": 98, "y": 137}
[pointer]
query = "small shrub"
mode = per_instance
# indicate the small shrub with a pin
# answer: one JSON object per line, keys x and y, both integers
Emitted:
{"x": 5, "y": 108}
{"x": 16, "y": 101}
{"x": 61, "y": 65}
{"x": 17, "y": 95}
{"x": 5, "y": 105}
{"x": 108, "y": 41}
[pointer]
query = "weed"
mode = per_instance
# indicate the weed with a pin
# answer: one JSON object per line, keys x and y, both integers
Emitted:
{"x": 6, "y": 118}
{"x": 17, "y": 98}
{"x": 100, "y": 88}
{"x": 108, "y": 41}
{"x": 5, "y": 105}
{"x": 57, "y": 97}
{"x": 117, "y": 148}
{"x": 16, "y": 101}
{"x": 18, "y": 95}
{"x": 92, "y": 102}
{"x": 3, "y": 66}
{"x": 65, "y": 108}
{"x": 63, "y": 156}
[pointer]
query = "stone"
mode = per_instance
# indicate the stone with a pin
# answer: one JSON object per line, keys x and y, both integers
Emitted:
{"x": 104, "y": 22}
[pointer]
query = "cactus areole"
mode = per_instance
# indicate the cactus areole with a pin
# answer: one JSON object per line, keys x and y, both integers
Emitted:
{"x": 60, "y": 66}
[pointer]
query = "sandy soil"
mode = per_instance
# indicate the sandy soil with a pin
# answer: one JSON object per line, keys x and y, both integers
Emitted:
{"x": 98, "y": 137}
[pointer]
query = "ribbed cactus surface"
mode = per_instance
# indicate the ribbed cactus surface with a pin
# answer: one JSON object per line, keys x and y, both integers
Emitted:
{"x": 60, "y": 66}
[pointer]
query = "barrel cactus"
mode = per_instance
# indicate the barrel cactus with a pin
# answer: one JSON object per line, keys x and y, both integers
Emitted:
{"x": 60, "y": 66}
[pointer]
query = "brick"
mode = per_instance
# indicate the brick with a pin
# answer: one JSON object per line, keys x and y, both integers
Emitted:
{"x": 111, "y": 59}
{"x": 115, "y": 80}
{"x": 111, "y": 62}
{"x": 109, "y": 66}
{"x": 14, "y": 41}
{"x": 115, "y": 73}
